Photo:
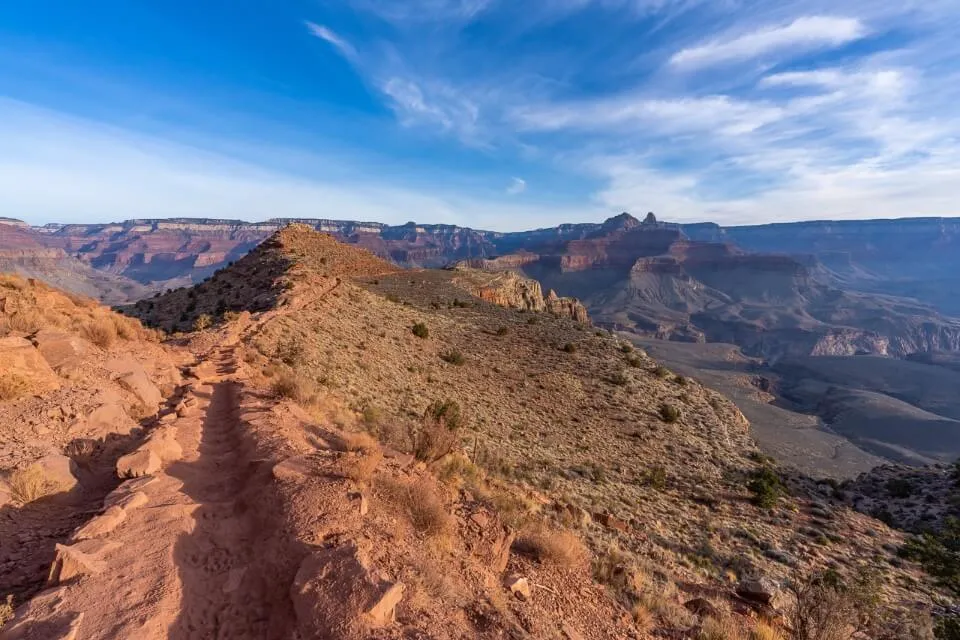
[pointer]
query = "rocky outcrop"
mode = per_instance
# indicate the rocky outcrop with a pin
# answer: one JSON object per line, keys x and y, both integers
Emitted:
{"x": 511, "y": 290}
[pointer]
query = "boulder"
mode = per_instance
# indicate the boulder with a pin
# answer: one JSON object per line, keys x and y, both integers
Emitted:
{"x": 101, "y": 525}
{"x": 64, "y": 352}
{"x": 59, "y": 471}
{"x": 139, "y": 463}
{"x": 336, "y": 595}
{"x": 701, "y": 607}
{"x": 760, "y": 590}
{"x": 23, "y": 369}
{"x": 82, "y": 558}
{"x": 129, "y": 494}
{"x": 108, "y": 418}
{"x": 131, "y": 376}
{"x": 163, "y": 442}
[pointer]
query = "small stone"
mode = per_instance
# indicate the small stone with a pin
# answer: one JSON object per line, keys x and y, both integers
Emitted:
{"x": 101, "y": 525}
{"x": 137, "y": 464}
{"x": 761, "y": 590}
{"x": 480, "y": 519}
{"x": 383, "y": 611}
{"x": 519, "y": 587}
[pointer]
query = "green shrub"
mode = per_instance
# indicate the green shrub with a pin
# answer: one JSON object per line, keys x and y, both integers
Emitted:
{"x": 680, "y": 380}
{"x": 533, "y": 320}
{"x": 939, "y": 554}
{"x": 439, "y": 432}
{"x": 669, "y": 413}
{"x": 634, "y": 361}
{"x": 626, "y": 347}
{"x": 662, "y": 372}
{"x": 619, "y": 379}
{"x": 453, "y": 357}
{"x": 766, "y": 487}
{"x": 502, "y": 331}
{"x": 900, "y": 487}
{"x": 421, "y": 331}
{"x": 655, "y": 477}
{"x": 203, "y": 321}
{"x": 570, "y": 347}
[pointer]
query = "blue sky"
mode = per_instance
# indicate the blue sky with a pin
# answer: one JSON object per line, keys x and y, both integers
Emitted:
{"x": 488, "y": 113}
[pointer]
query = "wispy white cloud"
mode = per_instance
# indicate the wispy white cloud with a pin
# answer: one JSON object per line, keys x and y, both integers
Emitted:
{"x": 803, "y": 34}
{"x": 718, "y": 114}
{"x": 517, "y": 186}
{"x": 346, "y": 49}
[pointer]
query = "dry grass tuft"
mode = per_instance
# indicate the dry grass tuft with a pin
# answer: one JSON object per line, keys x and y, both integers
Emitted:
{"x": 359, "y": 441}
{"x": 723, "y": 628}
{"x": 101, "y": 332}
{"x": 667, "y": 610}
{"x": 30, "y": 483}
{"x": 419, "y": 500}
{"x": 644, "y": 620}
{"x": 363, "y": 467}
{"x": 12, "y": 386}
{"x": 293, "y": 387}
{"x": 6, "y": 611}
{"x": 552, "y": 546}
{"x": 763, "y": 631}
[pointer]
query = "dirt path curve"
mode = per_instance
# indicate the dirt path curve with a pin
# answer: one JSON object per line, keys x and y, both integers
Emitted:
{"x": 190, "y": 557}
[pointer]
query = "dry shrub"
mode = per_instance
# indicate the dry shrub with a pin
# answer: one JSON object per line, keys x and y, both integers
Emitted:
{"x": 12, "y": 386}
{"x": 358, "y": 441}
{"x": 644, "y": 620}
{"x": 419, "y": 500}
{"x": 827, "y": 606}
{"x": 6, "y": 611}
{"x": 101, "y": 332}
{"x": 552, "y": 546}
{"x": 439, "y": 433}
{"x": 25, "y": 321}
{"x": 293, "y": 387}
{"x": 126, "y": 329}
{"x": 30, "y": 483}
{"x": 722, "y": 628}
{"x": 667, "y": 610}
{"x": 363, "y": 466}
{"x": 620, "y": 571}
{"x": 763, "y": 631}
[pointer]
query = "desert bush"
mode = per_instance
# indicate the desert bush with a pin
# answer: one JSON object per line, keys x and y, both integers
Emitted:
{"x": 370, "y": 415}
{"x": 30, "y": 483}
{"x": 938, "y": 553}
{"x": 626, "y": 347}
{"x": 24, "y": 321}
{"x": 453, "y": 357}
{"x": 669, "y": 413}
{"x": 362, "y": 468}
{"x": 126, "y": 328}
{"x": 619, "y": 379}
{"x": 293, "y": 387}
{"x": 828, "y": 607}
{"x": 721, "y": 628}
{"x": 667, "y": 610}
{"x": 552, "y": 546}
{"x": 12, "y": 386}
{"x": 634, "y": 361}
{"x": 655, "y": 478}
{"x": 439, "y": 431}
{"x": 766, "y": 487}
{"x": 292, "y": 351}
{"x": 420, "y": 502}
{"x": 502, "y": 331}
{"x": 680, "y": 380}
{"x": 203, "y": 321}
{"x": 421, "y": 331}
{"x": 662, "y": 372}
{"x": 763, "y": 631}
{"x": 533, "y": 320}
{"x": 358, "y": 441}
{"x": 643, "y": 618}
{"x": 101, "y": 332}
{"x": 900, "y": 487}
{"x": 570, "y": 347}
{"x": 6, "y": 611}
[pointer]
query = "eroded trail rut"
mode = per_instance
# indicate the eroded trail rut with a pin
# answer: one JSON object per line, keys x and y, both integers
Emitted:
{"x": 197, "y": 554}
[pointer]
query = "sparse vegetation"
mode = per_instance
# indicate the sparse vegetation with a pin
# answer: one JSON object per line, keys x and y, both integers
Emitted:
{"x": 362, "y": 468}
{"x": 453, "y": 357}
{"x": 669, "y": 413}
{"x": 721, "y": 628}
{"x": 900, "y": 487}
{"x": 662, "y": 372}
{"x": 552, "y": 546}
{"x": 502, "y": 331}
{"x": 655, "y": 478}
{"x": 570, "y": 347}
{"x": 203, "y": 321}
{"x": 30, "y": 483}
{"x": 619, "y": 379}
{"x": 939, "y": 554}
{"x": 293, "y": 386}
{"x": 12, "y": 386}
{"x": 420, "y": 502}
{"x": 420, "y": 330}
{"x": 439, "y": 432}
{"x": 101, "y": 332}
{"x": 766, "y": 487}
{"x": 828, "y": 607}
{"x": 6, "y": 611}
